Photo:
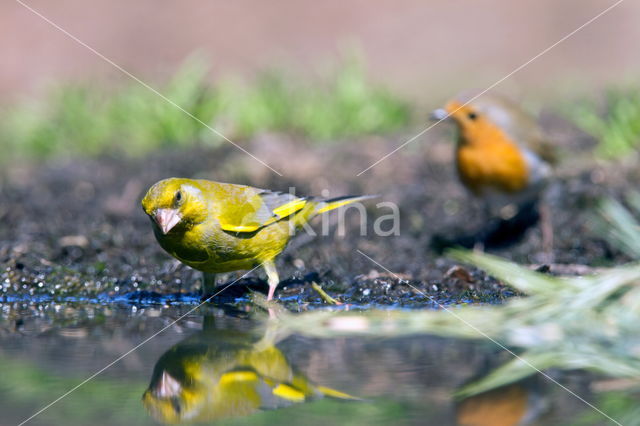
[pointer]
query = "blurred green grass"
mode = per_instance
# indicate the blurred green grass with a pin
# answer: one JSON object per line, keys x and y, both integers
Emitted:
{"x": 613, "y": 119}
{"x": 619, "y": 225}
{"x": 86, "y": 120}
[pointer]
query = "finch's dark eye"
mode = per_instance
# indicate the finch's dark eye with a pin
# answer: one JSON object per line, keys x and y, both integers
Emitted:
{"x": 472, "y": 116}
{"x": 178, "y": 196}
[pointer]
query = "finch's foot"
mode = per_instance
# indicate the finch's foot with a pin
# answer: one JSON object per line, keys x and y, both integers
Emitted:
{"x": 272, "y": 291}
{"x": 272, "y": 278}
{"x": 208, "y": 286}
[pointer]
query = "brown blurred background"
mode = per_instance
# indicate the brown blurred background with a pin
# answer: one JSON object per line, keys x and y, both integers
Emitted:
{"x": 413, "y": 46}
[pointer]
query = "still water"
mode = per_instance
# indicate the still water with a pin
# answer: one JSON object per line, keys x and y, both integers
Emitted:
{"x": 222, "y": 366}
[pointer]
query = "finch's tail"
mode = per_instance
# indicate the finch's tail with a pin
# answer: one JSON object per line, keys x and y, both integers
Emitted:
{"x": 334, "y": 203}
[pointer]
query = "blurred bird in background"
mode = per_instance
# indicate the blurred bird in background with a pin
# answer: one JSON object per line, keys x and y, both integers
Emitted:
{"x": 224, "y": 373}
{"x": 503, "y": 157}
{"x": 221, "y": 227}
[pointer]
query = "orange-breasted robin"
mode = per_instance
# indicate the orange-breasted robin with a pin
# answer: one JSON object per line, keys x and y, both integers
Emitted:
{"x": 502, "y": 154}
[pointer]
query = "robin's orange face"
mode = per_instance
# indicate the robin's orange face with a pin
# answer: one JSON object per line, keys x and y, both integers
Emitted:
{"x": 475, "y": 127}
{"x": 466, "y": 116}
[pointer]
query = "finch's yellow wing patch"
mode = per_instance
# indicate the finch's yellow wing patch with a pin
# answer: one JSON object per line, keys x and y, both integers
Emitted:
{"x": 238, "y": 376}
{"x": 289, "y": 393}
{"x": 260, "y": 210}
{"x": 290, "y": 207}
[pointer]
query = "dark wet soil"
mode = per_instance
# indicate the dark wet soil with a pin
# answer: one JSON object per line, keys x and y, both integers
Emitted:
{"x": 76, "y": 229}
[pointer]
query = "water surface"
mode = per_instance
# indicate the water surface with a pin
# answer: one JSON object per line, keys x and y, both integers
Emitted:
{"x": 222, "y": 365}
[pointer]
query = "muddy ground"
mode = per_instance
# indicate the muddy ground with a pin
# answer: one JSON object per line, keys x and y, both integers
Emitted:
{"x": 76, "y": 229}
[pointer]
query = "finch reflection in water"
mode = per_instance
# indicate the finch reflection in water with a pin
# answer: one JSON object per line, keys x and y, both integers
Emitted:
{"x": 221, "y": 373}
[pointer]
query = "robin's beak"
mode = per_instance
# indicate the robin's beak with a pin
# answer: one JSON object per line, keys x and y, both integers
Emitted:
{"x": 439, "y": 115}
{"x": 167, "y": 219}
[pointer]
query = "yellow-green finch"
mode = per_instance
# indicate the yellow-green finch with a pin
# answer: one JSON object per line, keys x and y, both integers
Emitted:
{"x": 221, "y": 227}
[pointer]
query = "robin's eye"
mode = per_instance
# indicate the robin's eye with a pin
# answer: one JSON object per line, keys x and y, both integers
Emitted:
{"x": 472, "y": 116}
{"x": 178, "y": 196}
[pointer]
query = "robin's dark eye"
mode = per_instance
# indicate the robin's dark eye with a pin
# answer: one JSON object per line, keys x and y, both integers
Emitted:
{"x": 178, "y": 196}
{"x": 472, "y": 116}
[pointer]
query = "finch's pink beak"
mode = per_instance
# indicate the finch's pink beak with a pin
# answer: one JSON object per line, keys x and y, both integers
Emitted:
{"x": 167, "y": 386}
{"x": 167, "y": 219}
